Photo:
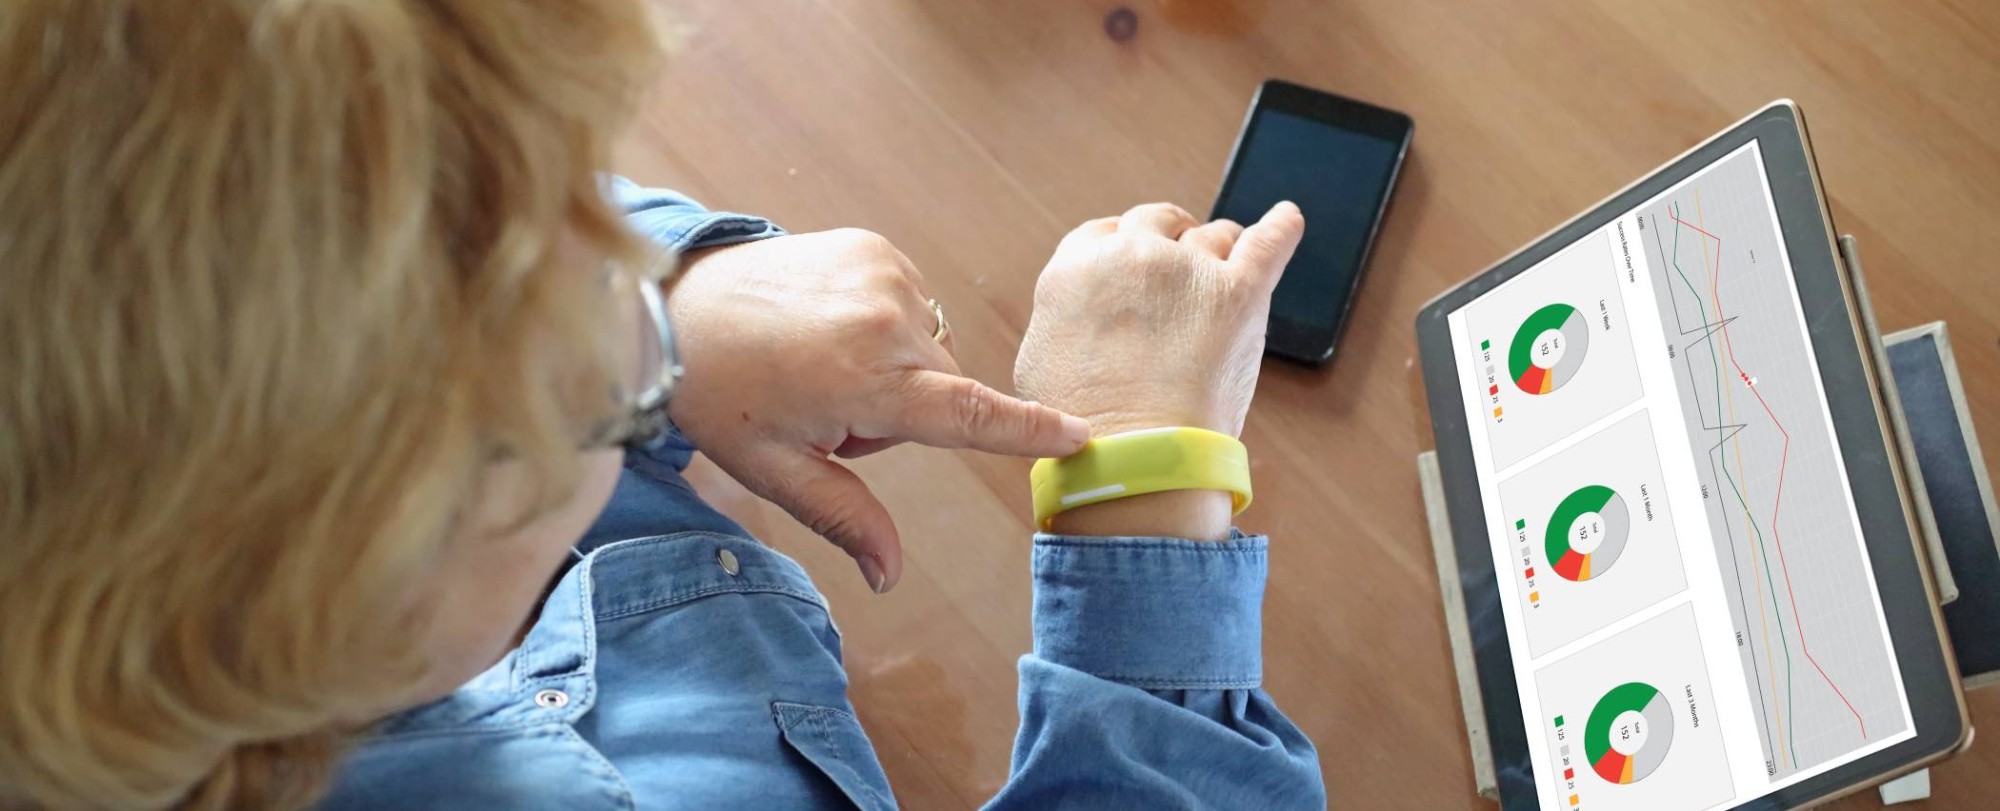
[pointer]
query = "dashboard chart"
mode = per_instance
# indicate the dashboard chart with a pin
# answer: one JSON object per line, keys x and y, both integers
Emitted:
{"x": 1772, "y": 482}
{"x": 1555, "y": 351}
{"x": 1691, "y": 614}
{"x": 1629, "y": 733}
{"x": 1591, "y": 536}
{"x": 1648, "y": 739}
{"x": 1548, "y": 349}
{"x": 1587, "y": 532}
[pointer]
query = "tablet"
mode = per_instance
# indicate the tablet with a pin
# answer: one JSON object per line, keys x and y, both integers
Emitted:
{"x": 1688, "y": 557}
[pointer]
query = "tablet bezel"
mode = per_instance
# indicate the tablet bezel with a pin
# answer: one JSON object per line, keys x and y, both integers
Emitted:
{"x": 1847, "y": 367}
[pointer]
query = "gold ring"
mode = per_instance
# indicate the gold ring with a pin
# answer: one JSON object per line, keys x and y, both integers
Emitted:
{"x": 943, "y": 330}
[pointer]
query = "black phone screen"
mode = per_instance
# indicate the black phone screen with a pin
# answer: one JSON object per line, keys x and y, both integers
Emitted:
{"x": 1338, "y": 165}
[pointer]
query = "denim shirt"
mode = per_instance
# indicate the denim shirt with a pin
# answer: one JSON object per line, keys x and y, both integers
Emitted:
{"x": 681, "y": 664}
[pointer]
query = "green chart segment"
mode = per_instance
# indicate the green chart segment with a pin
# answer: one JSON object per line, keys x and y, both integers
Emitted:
{"x": 1638, "y": 718}
{"x": 1548, "y": 349}
{"x": 1587, "y": 532}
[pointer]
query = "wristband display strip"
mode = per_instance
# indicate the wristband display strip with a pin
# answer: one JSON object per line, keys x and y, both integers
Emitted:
{"x": 1136, "y": 463}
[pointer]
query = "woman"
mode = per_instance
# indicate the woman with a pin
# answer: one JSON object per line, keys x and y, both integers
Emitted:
{"x": 328, "y": 345}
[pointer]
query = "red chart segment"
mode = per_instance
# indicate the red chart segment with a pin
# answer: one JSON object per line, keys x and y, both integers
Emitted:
{"x": 1614, "y": 767}
{"x": 1535, "y": 380}
{"x": 1573, "y": 565}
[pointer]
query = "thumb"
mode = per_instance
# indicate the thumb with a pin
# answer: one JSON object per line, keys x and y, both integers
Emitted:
{"x": 833, "y": 502}
{"x": 1268, "y": 244}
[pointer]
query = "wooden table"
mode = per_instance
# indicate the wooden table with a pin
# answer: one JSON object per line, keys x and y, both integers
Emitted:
{"x": 974, "y": 134}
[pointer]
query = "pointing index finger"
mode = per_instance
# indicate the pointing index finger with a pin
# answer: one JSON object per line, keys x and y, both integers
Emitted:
{"x": 949, "y": 411}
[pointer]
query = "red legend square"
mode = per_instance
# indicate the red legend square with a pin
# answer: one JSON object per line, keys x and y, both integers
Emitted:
{"x": 1493, "y": 390}
{"x": 1531, "y": 573}
{"x": 1569, "y": 774}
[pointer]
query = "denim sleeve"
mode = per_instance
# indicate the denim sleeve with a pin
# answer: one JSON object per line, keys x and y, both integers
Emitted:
{"x": 1143, "y": 687}
{"x": 679, "y": 224}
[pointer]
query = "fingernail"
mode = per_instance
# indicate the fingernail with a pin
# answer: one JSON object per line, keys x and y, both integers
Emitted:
{"x": 1076, "y": 429}
{"x": 871, "y": 570}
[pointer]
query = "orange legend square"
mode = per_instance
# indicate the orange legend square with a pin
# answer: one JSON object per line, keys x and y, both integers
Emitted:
{"x": 1534, "y": 596}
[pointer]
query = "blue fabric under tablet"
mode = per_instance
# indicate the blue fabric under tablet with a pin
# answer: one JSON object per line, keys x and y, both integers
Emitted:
{"x": 1947, "y": 465}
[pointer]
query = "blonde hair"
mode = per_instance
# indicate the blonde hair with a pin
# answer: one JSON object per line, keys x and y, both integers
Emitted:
{"x": 277, "y": 278}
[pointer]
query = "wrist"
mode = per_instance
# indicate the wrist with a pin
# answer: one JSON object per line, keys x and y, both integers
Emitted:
{"x": 1174, "y": 481}
{"x": 1200, "y": 515}
{"x": 1109, "y": 423}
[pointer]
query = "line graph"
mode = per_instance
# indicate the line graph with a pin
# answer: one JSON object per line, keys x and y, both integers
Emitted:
{"x": 1718, "y": 462}
{"x": 1803, "y": 608}
{"x": 1784, "y": 455}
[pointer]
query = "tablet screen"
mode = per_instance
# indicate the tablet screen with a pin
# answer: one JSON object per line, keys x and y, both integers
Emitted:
{"x": 1689, "y": 603}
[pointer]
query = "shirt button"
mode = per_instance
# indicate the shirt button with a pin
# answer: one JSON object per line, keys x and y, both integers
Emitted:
{"x": 728, "y": 561}
{"x": 552, "y": 699}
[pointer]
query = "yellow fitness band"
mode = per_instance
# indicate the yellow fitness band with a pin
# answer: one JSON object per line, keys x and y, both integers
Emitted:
{"x": 1139, "y": 462}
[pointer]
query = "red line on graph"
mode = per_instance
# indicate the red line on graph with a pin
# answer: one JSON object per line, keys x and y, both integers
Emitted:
{"x": 1729, "y": 347}
{"x": 1718, "y": 243}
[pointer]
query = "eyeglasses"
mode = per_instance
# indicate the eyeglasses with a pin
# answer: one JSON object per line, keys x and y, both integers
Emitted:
{"x": 653, "y": 371}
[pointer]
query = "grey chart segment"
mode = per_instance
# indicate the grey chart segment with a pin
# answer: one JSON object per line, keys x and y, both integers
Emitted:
{"x": 1617, "y": 525}
{"x": 1660, "y": 715}
{"x": 1807, "y": 624}
{"x": 1578, "y": 334}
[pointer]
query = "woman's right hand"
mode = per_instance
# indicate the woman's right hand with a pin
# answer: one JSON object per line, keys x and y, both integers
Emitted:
{"x": 1153, "y": 319}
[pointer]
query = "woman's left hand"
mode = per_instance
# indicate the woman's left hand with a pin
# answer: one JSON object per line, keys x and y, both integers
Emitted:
{"x": 802, "y": 347}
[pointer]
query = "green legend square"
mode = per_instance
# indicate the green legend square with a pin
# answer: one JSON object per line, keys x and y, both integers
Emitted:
{"x": 1559, "y": 720}
{"x": 1521, "y": 524}
{"x": 1485, "y": 344}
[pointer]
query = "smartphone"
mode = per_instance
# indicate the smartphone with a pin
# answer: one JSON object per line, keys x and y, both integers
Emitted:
{"x": 1337, "y": 158}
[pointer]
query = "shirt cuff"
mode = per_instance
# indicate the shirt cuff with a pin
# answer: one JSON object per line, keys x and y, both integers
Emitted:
{"x": 1154, "y": 613}
{"x": 678, "y": 224}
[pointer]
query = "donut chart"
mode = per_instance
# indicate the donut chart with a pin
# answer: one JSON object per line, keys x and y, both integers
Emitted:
{"x": 1587, "y": 532}
{"x": 1548, "y": 348}
{"x": 1641, "y": 721}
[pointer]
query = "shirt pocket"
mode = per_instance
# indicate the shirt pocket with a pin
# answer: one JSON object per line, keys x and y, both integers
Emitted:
{"x": 832, "y": 739}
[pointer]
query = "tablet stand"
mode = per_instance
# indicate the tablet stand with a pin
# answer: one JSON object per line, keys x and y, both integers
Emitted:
{"x": 1953, "y": 500}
